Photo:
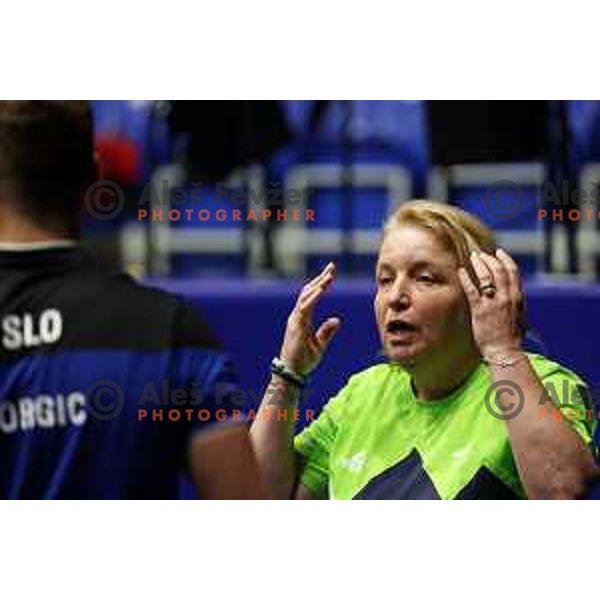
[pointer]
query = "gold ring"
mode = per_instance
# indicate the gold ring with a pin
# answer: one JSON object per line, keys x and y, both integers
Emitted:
{"x": 488, "y": 290}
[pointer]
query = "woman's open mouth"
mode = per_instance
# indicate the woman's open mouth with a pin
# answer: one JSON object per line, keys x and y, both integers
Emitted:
{"x": 400, "y": 330}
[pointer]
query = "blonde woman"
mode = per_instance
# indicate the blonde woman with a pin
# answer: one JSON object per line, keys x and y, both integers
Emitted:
{"x": 459, "y": 411}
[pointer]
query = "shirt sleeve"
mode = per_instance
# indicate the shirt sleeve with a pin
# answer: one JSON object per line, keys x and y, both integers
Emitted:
{"x": 206, "y": 372}
{"x": 314, "y": 443}
{"x": 571, "y": 396}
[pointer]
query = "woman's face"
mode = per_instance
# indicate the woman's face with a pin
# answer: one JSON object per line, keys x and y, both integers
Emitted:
{"x": 420, "y": 307}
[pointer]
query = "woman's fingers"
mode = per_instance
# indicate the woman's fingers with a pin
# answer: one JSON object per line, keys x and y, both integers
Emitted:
{"x": 499, "y": 274}
{"x": 514, "y": 280}
{"x": 326, "y": 332}
{"x": 312, "y": 290}
{"x": 484, "y": 275}
{"x": 326, "y": 274}
{"x": 493, "y": 311}
{"x": 309, "y": 301}
{"x": 471, "y": 292}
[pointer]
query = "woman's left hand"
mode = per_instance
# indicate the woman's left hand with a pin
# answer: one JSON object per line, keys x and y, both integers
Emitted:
{"x": 496, "y": 303}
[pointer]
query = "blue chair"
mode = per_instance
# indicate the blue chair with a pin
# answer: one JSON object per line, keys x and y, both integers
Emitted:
{"x": 376, "y": 190}
{"x": 387, "y": 154}
{"x": 187, "y": 246}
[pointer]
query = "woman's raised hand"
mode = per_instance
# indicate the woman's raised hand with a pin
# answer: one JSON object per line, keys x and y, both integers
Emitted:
{"x": 302, "y": 347}
{"x": 496, "y": 303}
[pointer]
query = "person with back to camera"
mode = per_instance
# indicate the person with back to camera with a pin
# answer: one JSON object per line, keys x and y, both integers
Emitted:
{"x": 427, "y": 424}
{"x": 82, "y": 345}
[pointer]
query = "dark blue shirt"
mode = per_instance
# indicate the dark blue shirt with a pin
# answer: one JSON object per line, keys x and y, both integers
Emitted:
{"x": 102, "y": 381}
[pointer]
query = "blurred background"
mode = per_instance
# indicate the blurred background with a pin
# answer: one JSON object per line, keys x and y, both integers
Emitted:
{"x": 354, "y": 161}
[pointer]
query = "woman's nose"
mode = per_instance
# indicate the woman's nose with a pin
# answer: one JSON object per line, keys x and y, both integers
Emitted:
{"x": 399, "y": 296}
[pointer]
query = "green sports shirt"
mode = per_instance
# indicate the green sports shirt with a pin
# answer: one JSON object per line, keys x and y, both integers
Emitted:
{"x": 376, "y": 440}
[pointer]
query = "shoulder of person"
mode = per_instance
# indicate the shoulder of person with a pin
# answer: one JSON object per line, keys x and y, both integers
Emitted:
{"x": 161, "y": 314}
{"x": 545, "y": 367}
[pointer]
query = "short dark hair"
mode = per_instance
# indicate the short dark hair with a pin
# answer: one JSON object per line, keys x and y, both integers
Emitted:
{"x": 46, "y": 157}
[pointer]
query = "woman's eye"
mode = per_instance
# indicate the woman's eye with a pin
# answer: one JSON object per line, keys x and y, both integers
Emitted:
{"x": 425, "y": 278}
{"x": 385, "y": 280}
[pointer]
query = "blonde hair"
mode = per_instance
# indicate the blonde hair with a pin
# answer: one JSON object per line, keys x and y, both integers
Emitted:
{"x": 460, "y": 232}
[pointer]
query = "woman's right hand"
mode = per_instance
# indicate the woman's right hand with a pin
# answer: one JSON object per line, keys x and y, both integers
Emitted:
{"x": 303, "y": 348}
